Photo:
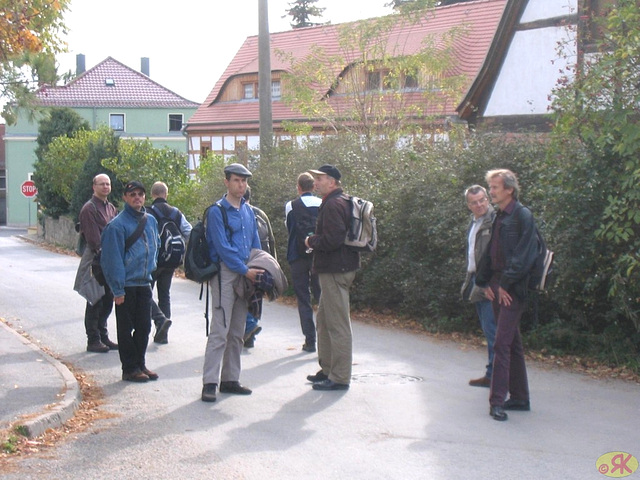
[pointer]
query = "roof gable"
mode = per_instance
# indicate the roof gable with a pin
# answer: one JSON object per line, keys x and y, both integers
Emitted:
{"x": 130, "y": 89}
{"x": 480, "y": 19}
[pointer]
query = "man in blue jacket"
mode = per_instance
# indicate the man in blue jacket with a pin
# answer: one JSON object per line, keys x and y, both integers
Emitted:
{"x": 504, "y": 275}
{"x": 231, "y": 247}
{"x": 127, "y": 269}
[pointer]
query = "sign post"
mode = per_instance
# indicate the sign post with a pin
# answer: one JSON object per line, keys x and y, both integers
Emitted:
{"x": 29, "y": 190}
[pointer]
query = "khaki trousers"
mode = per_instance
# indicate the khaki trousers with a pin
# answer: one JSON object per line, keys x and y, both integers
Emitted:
{"x": 335, "y": 340}
{"x": 225, "y": 341}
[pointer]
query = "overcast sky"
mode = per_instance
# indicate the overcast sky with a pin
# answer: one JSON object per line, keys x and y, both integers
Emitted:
{"x": 189, "y": 43}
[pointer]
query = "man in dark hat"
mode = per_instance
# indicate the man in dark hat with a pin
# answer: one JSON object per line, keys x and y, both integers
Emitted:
{"x": 231, "y": 248}
{"x": 336, "y": 265}
{"x": 130, "y": 245}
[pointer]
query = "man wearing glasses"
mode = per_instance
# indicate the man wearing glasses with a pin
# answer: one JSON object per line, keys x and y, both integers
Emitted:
{"x": 129, "y": 252}
{"x": 94, "y": 216}
{"x": 478, "y": 237}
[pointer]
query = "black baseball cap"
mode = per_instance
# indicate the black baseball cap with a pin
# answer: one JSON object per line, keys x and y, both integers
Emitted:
{"x": 134, "y": 185}
{"x": 327, "y": 170}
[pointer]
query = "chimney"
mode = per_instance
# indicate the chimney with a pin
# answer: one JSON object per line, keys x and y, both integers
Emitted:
{"x": 144, "y": 65}
{"x": 80, "y": 66}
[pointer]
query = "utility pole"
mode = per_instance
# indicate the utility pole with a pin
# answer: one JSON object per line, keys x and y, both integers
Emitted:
{"x": 264, "y": 81}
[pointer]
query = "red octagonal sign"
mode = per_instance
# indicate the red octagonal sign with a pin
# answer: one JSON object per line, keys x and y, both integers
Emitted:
{"x": 29, "y": 189}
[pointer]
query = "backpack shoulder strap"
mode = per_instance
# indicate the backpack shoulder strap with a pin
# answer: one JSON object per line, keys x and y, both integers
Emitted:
{"x": 136, "y": 234}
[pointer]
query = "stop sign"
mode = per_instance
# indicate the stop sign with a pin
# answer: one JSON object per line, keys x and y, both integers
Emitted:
{"x": 29, "y": 189}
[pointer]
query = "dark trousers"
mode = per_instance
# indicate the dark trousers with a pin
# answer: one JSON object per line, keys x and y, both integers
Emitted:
{"x": 509, "y": 369}
{"x": 304, "y": 283}
{"x": 95, "y": 317}
{"x": 162, "y": 278}
{"x": 133, "y": 319}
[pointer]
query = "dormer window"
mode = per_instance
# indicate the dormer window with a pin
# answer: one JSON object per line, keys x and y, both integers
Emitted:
{"x": 110, "y": 82}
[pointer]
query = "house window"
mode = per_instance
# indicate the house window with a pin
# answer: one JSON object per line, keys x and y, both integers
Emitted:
{"x": 378, "y": 80}
{"x": 593, "y": 15}
{"x": 373, "y": 81}
{"x": 175, "y": 122}
{"x": 3, "y": 179}
{"x": 275, "y": 89}
{"x": 205, "y": 148}
{"x": 250, "y": 91}
{"x": 410, "y": 82}
{"x": 116, "y": 121}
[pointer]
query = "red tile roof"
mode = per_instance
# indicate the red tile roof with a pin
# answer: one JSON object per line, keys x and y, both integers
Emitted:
{"x": 480, "y": 19}
{"x": 130, "y": 89}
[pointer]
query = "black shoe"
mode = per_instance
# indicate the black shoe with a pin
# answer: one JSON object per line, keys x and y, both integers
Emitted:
{"x": 97, "y": 347}
{"x": 250, "y": 343}
{"x": 520, "y": 405}
{"x": 498, "y": 413}
{"x": 135, "y": 376}
{"x": 209, "y": 392}
{"x": 110, "y": 344}
{"x": 161, "y": 333}
{"x": 252, "y": 333}
{"x": 150, "y": 374}
{"x": 318, "y": 377}
{"x": 309, "y": 347}
{"x": 234, "y": 387}
{"x": 330, "y": 385}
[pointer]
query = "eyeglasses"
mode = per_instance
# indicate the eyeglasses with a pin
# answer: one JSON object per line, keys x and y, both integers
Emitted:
{"x": 477, "y": 202}
{"x": 136, "y": 194}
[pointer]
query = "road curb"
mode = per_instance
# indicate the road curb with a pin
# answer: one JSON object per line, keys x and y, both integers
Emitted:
{"x": 57, "y": 413}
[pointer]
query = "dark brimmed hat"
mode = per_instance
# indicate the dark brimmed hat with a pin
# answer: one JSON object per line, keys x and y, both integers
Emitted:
{"x": 327, "y": 170}
{"x": 134, "y": 185}
{"x": 237, "y": 169}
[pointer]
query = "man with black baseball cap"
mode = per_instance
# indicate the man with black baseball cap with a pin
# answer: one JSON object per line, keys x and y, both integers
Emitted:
{"x": 231, "y": 248}
{"x": 130, "y": 245}
{"x": 336, "y": 267}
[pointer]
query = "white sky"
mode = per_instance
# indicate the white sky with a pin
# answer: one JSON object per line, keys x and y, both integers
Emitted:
{"x": 189, "y": 43}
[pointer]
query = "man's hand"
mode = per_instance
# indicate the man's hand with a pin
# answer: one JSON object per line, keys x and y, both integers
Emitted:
{"x": 489, "y": 294}
{"x": 119, "y": 300}
{"x": 503, "y": 297}
{"x": 252, "y": 273}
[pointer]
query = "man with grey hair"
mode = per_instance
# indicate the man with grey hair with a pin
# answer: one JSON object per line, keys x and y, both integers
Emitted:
{"x": 478, "y": 236}
{"x": 503, "y": 273}
{"x": 336, "y": 266}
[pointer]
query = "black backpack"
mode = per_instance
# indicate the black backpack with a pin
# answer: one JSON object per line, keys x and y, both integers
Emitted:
{"x": 172, "y": 245}
{"x": 305, "y": 218}
{"x": 197, "y": 263}
{"x": 541, "y": 274}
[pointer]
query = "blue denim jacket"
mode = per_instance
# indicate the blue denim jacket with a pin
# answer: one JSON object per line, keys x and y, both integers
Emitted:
{"x": 132, "y": 268}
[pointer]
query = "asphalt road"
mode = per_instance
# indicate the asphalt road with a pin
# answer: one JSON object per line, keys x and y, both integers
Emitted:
{"x": 409, "y": 412}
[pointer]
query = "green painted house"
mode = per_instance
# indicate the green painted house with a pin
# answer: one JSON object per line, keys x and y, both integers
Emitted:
{"x": 110, "y": 93}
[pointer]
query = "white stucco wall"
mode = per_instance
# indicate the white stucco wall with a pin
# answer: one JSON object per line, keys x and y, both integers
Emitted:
{"x": 531, "y": 70}
{"x": 541, "y": 9}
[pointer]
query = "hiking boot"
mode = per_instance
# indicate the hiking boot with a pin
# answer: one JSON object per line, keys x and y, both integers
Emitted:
{"x": 110, "y": 344}
{"x": 161, "y": 333}
{"x": 97, "y": 347}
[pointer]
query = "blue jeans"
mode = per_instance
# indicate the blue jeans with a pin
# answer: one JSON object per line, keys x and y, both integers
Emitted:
{"x": 488, "y": 324}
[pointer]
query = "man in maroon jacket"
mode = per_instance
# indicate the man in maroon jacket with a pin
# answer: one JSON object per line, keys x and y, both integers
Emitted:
{"x": 336, "y": 267}
{"x": 94, "y": 216}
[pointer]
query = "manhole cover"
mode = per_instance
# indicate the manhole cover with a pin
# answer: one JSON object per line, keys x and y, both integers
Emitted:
{"x": 384, "y": 378}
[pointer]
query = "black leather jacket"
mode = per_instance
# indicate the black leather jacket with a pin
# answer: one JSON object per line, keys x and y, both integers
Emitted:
{"x": 519, "y": 246}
